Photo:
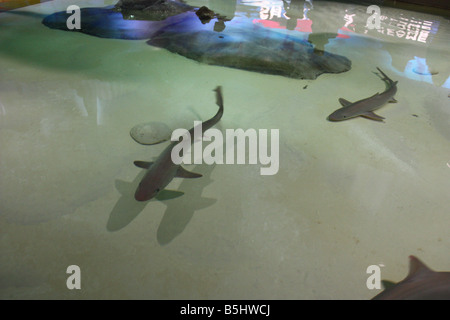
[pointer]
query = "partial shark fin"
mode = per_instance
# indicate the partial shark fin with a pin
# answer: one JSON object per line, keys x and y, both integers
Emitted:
{"x": 417, "y": 266}
{"x": 372, "y": 116}
{"x": 168, "y": 194}
{"x": 183, "y": 173}
{"x": 142, "y": 164}
{"x": 387, "y": 284}
{"x": 344, "y": 102}
{"x": 392, "y": 100}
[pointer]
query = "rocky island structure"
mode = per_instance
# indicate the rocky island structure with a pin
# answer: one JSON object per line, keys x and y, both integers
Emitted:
{"x": 190, "y": 32}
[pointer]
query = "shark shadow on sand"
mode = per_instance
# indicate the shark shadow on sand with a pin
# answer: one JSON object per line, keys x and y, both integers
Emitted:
{"x": 127, "y": 208}
{"x": 179, "y": 212}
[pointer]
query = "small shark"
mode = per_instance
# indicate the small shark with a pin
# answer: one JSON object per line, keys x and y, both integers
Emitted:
{"x": 422, "y": 283}
{"x": 163, "y": 170}
{"x": 365, "y": 107}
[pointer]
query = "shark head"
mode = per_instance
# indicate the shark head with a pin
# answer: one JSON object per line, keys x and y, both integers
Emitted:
{"x": 340, "y": 115}
{"x": 144, "y": 193}
{"x": 152, "y": 183}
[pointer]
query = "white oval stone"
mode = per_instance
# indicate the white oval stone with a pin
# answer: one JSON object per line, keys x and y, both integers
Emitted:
{"x": 150, "y": 133}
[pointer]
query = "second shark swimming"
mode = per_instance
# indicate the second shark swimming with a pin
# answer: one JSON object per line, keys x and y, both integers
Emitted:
{"x": 163, "y": 170}
{"x": 422, "y": 283}
{"x": 366, "y": 107}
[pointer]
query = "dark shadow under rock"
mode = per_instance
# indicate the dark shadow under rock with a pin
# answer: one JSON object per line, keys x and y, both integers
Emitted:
{"x": 205, "y": 15}
{"x": 154, "y": 10}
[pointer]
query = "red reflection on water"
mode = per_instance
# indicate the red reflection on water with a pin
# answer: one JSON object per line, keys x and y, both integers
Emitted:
{"x": 302, "y": 25}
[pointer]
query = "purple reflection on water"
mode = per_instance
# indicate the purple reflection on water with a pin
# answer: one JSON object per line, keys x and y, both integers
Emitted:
{"x": 105, "y": 23}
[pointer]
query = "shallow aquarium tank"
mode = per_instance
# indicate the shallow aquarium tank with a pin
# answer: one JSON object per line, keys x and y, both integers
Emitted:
{"x": 224, "y": 149}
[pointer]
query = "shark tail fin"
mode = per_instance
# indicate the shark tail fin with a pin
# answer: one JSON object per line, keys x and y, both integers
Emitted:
{"x": 219, "y": 101}
{"x": 219, "y": 97}
{"x": 385, "y": 77}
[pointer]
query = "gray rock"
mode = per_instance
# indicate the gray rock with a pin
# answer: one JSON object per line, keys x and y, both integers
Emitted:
{"x": 237, "y": 43}
{"x": 253, "y": 49}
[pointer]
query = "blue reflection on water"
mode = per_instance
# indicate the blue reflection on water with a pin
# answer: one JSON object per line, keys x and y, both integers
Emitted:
{"x": 105, "y": 23}
{"x": 446, "y": 83}
{"x": 417, "y": 69}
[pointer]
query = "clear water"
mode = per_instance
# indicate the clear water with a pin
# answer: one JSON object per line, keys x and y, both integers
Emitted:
{"x": 347, "y": 195}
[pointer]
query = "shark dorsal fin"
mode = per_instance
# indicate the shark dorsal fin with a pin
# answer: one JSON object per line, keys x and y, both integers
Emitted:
{"x": 142, "y": 164}
{"x": 183, "y": 173}
{"x": 344, "y": 102}
{"x": 417, "y": 267}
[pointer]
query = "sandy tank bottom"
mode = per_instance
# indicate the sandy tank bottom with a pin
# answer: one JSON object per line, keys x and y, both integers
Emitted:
{"x": 347, "y": 195}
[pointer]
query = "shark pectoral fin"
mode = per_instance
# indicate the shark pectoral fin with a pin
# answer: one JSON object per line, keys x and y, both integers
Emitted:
{"x": 392, "y": 100}
{"x": 372, "y": 116}
{"x": 168, "y": 194}
{"x": 387, "y": 284}
{"x": 344, "y": 102}
{"x": 142, "y": 164}
{"x": 183, "y": 173}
